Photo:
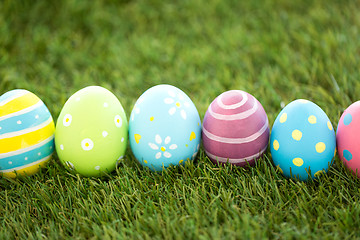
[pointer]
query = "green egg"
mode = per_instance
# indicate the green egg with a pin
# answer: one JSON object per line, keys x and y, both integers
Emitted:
{"x": 91, "y": 132}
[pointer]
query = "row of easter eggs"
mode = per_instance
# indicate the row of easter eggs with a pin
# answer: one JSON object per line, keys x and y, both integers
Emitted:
{"x": 165, "y": 129}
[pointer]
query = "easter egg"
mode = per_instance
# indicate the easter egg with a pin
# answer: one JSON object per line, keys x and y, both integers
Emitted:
{"x": 235, "y": 129}
{"x": 91, "y": 132}
{"x": 302, "y": 140}
{"x": 26, "y": 133}
{"x": 348, "y": 136}
{"x": 164, "y": 128}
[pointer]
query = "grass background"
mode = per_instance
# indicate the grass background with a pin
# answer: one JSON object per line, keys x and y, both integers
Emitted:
{"x": 276, "y": 50}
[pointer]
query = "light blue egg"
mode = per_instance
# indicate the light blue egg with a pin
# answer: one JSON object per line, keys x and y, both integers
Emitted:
{"x": 164, "y": 128}
{"x": 302, "y": 140}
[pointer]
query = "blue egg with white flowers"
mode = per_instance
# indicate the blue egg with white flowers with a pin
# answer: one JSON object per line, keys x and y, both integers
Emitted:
{"x": 302, "y": 141}
{"x": 164, "y": 128}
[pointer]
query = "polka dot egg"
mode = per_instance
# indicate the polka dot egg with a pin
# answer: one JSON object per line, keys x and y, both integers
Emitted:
{"x": 302, "y": 140}
{"x": 347, "y": 137}
{"x": 91, "y": 132}
{"x": 164, "y": 128}
{"x": 26, "y": 133}
{"x": 235, "y": 129}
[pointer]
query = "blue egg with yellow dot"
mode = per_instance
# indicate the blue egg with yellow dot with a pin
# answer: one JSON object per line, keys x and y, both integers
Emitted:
{"x": 164, "y": 128}
{"x": 302, "y": 141}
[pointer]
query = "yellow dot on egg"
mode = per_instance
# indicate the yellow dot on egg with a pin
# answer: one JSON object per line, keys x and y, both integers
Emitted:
{"x": 298, "y": 162}
{"x": 137, "y": 138}
{"x": 283, "y": 117}
{"x": 67, "y": 120}
{"x": 320, "y": 147}
{"x": 86, "y": 144}
{"x": 181, "y": 161}
{"x": 296, "y": 135}
{"x": 276, "y": 145}
{"x": 163, "y": 149}
{"x": 178, "y": 104}
{"x": 151, "y": 118}
{"x": 198, "y": 124}
{"x": 192, "y": 136}
{"x": 186, "y": 145}
{"x": 278, "y": 167}
{"x": 145, "y": 161}
{"x": 329, "y": 126}
{"x": 312, "y": 119}
{"x": 318, "y": 173}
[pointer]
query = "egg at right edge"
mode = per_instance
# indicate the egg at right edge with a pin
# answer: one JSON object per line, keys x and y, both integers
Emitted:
{"x": 348, "y": 136}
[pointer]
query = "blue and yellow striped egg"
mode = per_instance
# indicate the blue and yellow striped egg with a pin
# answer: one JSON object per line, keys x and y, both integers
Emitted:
{"x": 26, "y": 133}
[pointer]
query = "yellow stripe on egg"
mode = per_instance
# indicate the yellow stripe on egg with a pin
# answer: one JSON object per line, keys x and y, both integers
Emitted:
{"x": 19, "y": 103}
{"x": 28, "y": 138}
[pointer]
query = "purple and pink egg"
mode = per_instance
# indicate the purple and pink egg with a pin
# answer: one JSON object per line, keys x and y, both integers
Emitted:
{"x": 235, "y": 129}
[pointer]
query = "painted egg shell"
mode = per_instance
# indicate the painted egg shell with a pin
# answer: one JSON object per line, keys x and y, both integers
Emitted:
{"x": 164, "y": 128}
{"x": 302, "y": 140}
{"x": 91, "y": 132}
{"x": 348, "y": 136}
{"x": 26, "y": 133}
{"x": 235, "y": 129}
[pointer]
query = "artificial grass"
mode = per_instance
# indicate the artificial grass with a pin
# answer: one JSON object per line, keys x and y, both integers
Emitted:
{"x": 277, "y": 51}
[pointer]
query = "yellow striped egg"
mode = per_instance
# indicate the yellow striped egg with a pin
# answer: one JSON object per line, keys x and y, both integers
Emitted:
{"x": 26, "y": 133}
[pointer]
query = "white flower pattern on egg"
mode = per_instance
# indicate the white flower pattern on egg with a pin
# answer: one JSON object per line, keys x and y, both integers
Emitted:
{"x": 179, "y": 102}
{"x": 118, "y": 121}
{"x": 67, "y": 120}
{"x": 104, "y": 133}
{"x": 162, "y": 147}
{"x": 87, "y": 144}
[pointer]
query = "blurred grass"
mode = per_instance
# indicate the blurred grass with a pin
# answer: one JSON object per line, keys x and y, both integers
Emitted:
{"x": 276, "y": 50}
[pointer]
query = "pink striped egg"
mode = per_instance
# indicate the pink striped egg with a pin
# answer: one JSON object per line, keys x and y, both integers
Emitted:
{"x": 235, "y": 129}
